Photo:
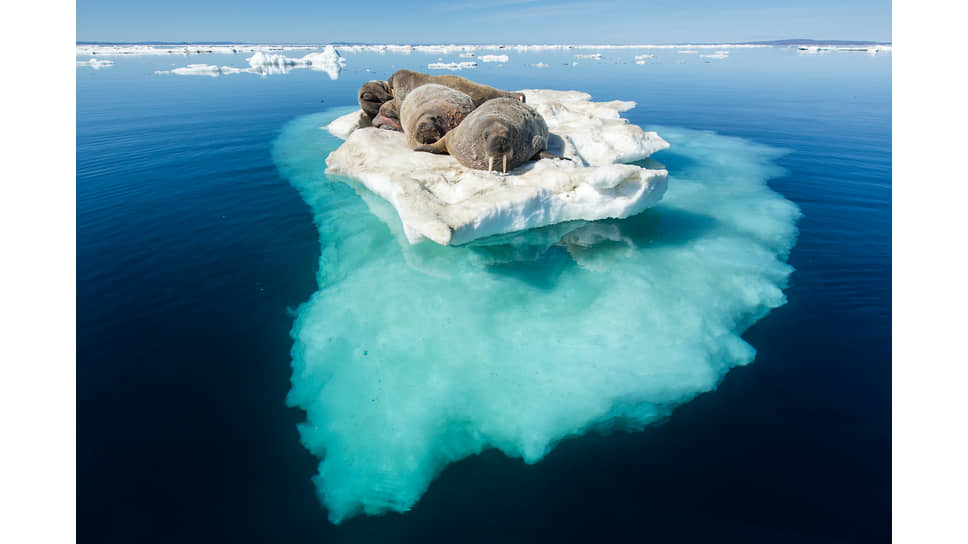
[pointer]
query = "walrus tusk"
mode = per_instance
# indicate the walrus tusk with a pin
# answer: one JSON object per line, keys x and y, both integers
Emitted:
{"x": 505, "y": 164}
{"x": 490, "y": 164}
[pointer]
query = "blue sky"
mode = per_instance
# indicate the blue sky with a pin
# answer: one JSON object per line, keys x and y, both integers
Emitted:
{"x": 482, "y": 21}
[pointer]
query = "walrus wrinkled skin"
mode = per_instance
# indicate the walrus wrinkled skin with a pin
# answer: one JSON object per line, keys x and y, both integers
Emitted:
{"x": 386, "y": 114}
{"x": 430, "y": 111}
{"x": 372, "y": 96}
{"x": 502, "y": 132}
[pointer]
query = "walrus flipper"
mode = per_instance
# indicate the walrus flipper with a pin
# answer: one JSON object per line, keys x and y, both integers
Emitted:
{"x": 439, "y": 147}
{"x": 544, "y": 154}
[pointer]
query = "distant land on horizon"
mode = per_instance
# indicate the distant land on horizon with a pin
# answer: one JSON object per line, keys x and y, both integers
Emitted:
{"x": 788, "y": 41}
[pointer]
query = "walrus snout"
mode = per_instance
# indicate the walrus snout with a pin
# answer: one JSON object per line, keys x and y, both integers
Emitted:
{"x": 496, "y": 143}
{"x": 386, "y": 123}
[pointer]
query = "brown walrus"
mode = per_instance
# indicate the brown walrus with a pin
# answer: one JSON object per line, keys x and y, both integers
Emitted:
{"x": 501, "y": 131}
{"x": 372, "y": 95}
{"x": 430, "y": 111}
{"x": 402, "y": 82}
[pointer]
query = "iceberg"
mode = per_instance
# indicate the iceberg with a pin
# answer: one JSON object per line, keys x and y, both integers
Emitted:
{"x": 328, "y": 60}
{"x": 411, "y": 357}
{"x": 439, "y": 199}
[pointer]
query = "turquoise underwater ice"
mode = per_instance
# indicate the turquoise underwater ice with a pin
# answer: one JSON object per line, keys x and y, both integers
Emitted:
{"x": 411, "y": 357}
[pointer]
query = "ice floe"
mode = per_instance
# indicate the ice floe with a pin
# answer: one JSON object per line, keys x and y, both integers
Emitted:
{"x": 409, "y": 358}
{"x": 455, "y": 66}
{"x": 493, "y": 58}
{"x": 97, "y": 64}
{"x": 716, "y": 55}
{"x": 440, "y": 200}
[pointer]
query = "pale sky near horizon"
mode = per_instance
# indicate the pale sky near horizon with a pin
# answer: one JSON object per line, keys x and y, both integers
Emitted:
{"x": 483, "y": 21}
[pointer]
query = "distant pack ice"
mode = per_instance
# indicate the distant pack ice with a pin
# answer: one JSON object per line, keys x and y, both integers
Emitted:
{"x": 439, "y": 199}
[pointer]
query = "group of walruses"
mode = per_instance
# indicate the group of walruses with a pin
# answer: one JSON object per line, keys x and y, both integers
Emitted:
{"x": 480, "y": 126}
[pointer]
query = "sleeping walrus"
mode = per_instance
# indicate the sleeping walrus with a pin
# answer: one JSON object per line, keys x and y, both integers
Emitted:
{"x": 501, "y": 131}
{"x": 383, "y": 108}
{"x": 371, "y": 96}
{"x": 430, "y": 111}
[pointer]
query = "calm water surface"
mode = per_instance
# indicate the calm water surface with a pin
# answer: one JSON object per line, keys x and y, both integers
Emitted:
{"x": 192, "y": 253}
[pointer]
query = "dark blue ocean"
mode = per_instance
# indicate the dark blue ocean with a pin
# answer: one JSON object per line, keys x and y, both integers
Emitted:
{"x": 195, "y": 252}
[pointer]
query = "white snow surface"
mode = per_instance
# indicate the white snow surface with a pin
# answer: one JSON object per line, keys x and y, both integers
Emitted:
{"x": 439, "y": 199}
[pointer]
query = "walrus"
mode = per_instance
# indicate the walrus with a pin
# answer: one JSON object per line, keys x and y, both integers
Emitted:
{"x": 430, "y": 111}
{"x": 388, "y": 117}
{"x": 402, "y": 82}
{"x": 373, "y": 95}
{"x": 502, "y": 130}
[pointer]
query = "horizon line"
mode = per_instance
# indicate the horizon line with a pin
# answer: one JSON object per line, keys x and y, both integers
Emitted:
{"x": 785, "y": 41}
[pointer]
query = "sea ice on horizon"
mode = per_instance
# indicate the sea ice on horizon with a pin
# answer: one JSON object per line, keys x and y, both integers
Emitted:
{"x": 228, "y": 49}
{"x": 439, "y": 199}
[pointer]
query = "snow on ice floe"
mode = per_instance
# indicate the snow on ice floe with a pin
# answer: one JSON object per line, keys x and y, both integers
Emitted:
{"x": 97, "y": 64}
{"x": 493, "y": 58}
{"x": 440, "y": 200}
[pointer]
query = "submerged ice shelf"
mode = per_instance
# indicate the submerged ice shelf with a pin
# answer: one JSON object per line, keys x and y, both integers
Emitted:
{"x": 441, "y": 200}
{"x": 411, "y": 357}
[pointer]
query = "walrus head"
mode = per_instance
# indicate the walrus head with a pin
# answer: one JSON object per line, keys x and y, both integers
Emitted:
{"x": 428, "y": 129}
{"x": 388, "y": 118}
{"x": 372, "y": 95}
{"x": 497, "y": 146}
